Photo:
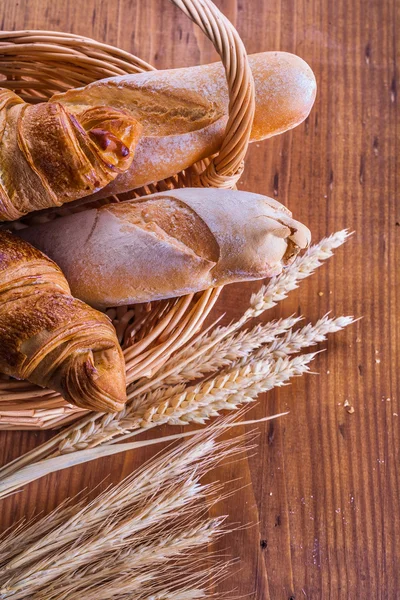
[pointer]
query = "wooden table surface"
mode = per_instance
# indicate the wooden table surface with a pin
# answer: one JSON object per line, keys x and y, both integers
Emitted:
{"x": 323, "y": 493}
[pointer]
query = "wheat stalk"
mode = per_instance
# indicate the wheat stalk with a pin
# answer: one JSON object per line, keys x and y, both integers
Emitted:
{"x": 171, "y": 405}
{"x": 126, "y": 539}
{"x": 268, "y": 367}
{"x": 199, "y": 403}
{"x": 279, "y": 287}
{"x": 307, "y": 336}
{"x": 267, "y": 297}
{"x": 127, "y": 420}
{"x": 33, "y": 471}
{"x": 112, "y": 531}
{"x": 168, "y": 404}
{"x": 224, "y": 392}
{"x": 189, "y": 595}
{"x": 196, "y": 404}
{"x": 140, "y": 586}
{"x": 159, "y": 546}
{"x": 242, "y": 344}
{"x": 227, "y": 350}
{"x": 28, "y": 532}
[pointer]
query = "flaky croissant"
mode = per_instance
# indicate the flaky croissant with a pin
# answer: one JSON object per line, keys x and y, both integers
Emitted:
{"x": 52, "y": 339}
{"x": 49, "y": 156}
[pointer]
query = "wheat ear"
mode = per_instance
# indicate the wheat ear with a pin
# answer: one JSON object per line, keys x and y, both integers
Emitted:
{"x": 278, "y": 288}
{"x": 152, "y": 516}
{"x": 153, "y": 552}
{"x": 179, "y": 405}
{"x": 228, "y": 349}
{"x": 199, "y": 403}
{"x": 240, "y": 345}
{"x": 267, "y": 297}
{"x": 305, "y": 337}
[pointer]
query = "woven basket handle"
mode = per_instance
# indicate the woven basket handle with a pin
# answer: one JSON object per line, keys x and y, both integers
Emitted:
{"x": 226, "y": 168}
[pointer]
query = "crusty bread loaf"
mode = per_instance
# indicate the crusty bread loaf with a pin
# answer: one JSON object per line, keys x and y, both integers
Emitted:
{"x": 184, "y": 111}
{"x": 52, "y": 339}
{"x": 170, "y": 244}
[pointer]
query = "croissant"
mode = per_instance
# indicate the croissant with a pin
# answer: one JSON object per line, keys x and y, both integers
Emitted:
{"x": 49, "y": 156}
{"x": 52, "y": 339}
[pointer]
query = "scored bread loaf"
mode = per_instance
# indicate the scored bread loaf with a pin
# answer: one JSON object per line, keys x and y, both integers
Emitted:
{"x": 170, "y": 244}
{"x": 184, "y": 111}
{"x": 52, "y": 339}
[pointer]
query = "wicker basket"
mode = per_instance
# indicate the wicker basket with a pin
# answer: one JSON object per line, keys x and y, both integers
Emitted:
{"x": 36, "y": 64}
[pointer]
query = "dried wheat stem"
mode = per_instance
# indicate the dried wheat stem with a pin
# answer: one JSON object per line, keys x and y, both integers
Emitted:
{"x": 178, "y": 406}
{"x": 188, "y": 595}
{"x": 227, "y": 350}
{"x": 158, "y": 546}
{"x": 147, "y": 480}
{"x": 267, "y": 297}
{"x": 292, "y": 342}
{"x": 295, "y": 341}
{"x": 50, "y": 568}
{"x": 53, "y": 464}
{"x": 125, "y": 541}
{"x": 28, "y": 532}
{"x": 177, "y": 583}
{"x": 199, "y": 403}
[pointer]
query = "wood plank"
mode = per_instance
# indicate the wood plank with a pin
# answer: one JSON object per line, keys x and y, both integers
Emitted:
{"x": 322, "y": 491}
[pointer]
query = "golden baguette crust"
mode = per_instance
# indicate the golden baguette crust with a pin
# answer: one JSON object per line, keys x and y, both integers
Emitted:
{"x": 52, "y": 339}
{"x": 170, "y": 244}
{"x": 184, "y": 111}
{"x": 49, "y": 156}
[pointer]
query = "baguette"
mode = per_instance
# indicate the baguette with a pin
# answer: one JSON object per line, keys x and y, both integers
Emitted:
{"x": 49, "y": 156}
{"x": 170, "y": 244}
{"x": 184, "y": 111}
{"x": 50, "y": 338}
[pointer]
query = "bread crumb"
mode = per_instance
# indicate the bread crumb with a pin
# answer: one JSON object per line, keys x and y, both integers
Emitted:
{"x": 348, "y": 407}
{"x": 320, "y": 293}
{"x": 377, "y": 360}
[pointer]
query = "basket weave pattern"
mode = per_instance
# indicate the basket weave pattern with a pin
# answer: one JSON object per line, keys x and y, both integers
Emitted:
{"x": 36, "y": 64}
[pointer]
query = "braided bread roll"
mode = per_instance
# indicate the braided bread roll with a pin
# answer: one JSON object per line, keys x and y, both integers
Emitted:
{"x": 52, "y": 339}
{"x": 49, "y": 156}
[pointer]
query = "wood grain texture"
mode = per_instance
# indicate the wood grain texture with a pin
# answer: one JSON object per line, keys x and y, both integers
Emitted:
{"x": 322, "y": 491}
